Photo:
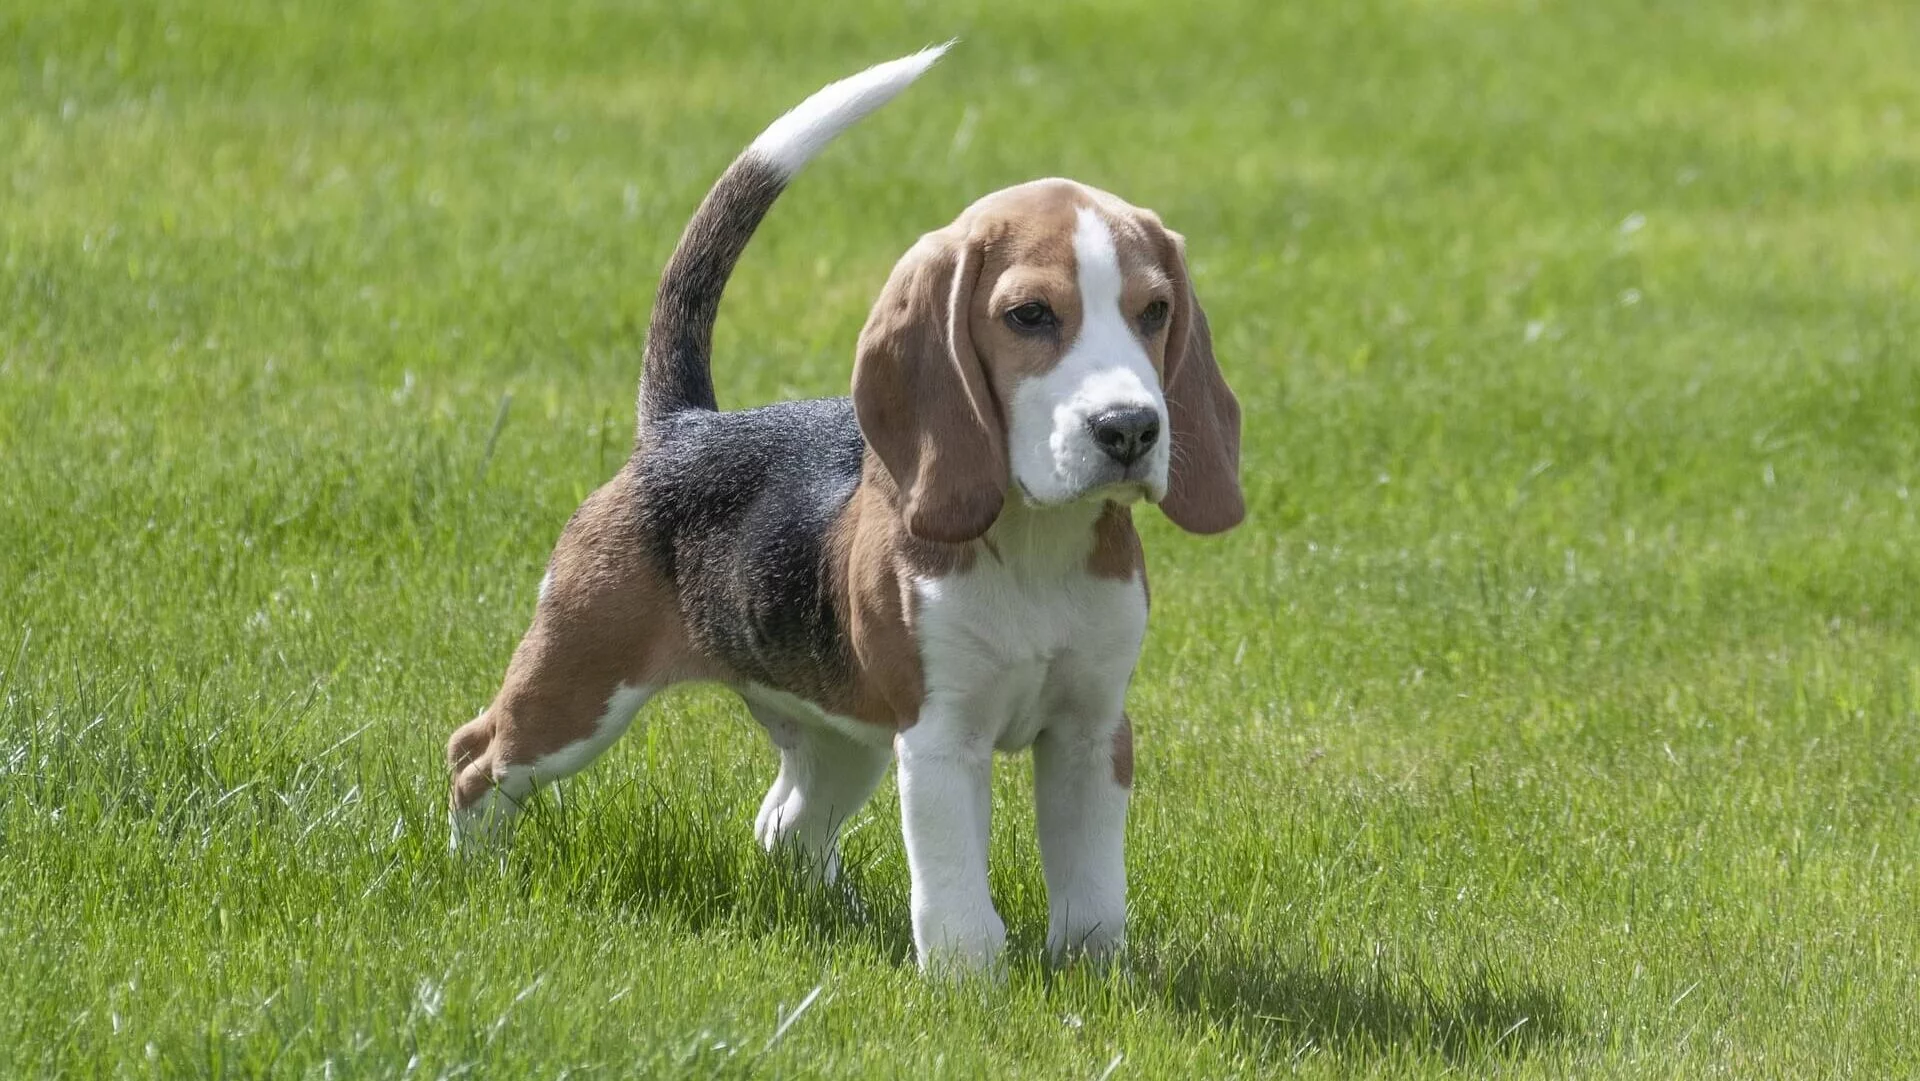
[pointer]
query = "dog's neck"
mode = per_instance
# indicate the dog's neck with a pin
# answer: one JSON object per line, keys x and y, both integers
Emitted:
{"x": 1035, "y": 541}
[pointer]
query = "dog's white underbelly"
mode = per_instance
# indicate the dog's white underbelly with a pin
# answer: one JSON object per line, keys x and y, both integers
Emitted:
{"x": 797, "y": 710}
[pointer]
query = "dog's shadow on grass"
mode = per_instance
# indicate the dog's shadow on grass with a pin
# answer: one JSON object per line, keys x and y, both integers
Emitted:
{"x": 1287, "y": 1009}
{"x": 664, "y": 859}
{"x": 664, "y": 854}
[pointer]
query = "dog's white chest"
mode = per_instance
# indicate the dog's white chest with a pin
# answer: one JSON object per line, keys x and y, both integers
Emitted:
{"x": 1016, "y": 651}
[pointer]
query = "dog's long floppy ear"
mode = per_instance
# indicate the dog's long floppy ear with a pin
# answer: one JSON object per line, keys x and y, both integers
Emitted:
{"x": 920, "y": 391}
{"x": 1203, "y": 476}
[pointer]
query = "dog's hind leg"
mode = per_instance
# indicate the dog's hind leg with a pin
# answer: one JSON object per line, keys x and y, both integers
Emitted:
{"x": 605, "y": 637}
{"x": 825, "y": 778}
{"x": 490, "y": 788}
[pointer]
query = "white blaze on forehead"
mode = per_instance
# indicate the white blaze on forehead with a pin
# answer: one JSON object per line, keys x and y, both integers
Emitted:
{"x": 1097, "y": 263}
{"x": 1113, "y": 372}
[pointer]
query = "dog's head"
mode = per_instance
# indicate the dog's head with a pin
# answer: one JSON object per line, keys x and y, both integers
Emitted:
{"x": 1047, "y": 343}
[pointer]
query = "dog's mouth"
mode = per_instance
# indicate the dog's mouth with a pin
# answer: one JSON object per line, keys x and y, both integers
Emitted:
{"x": 1126, "y": 489}
{"x": 1126, "y": 492}
{"x": 1126, "y": 484}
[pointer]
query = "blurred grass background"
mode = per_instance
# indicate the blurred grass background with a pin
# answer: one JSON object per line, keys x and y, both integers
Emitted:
{"x": 1554, "y": 713}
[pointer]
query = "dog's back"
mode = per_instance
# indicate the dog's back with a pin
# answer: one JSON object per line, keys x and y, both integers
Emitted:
{"x": 738, "y": 508}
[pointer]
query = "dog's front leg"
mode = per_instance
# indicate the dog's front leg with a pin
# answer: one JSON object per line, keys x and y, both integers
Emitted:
{"x": 946, "y": 803}
{"x": 1082, "y": 778}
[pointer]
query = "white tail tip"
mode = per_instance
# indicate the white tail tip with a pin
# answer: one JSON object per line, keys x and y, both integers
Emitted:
{"x": 792, "y": 141}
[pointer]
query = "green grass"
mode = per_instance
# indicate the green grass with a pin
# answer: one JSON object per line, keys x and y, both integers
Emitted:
{"x": 1556, "y": 712}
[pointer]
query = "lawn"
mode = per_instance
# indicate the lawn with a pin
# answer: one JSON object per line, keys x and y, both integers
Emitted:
{"x": 1556, "y": 712}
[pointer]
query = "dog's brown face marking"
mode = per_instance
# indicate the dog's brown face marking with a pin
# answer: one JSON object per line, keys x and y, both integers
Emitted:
{"x": 1026, "y": 237}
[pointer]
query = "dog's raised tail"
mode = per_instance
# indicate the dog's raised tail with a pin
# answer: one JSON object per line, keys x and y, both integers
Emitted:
{"x": 676, "y": 366}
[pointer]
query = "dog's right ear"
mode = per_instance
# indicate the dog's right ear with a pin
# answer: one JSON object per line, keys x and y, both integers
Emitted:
{"x": 921, "y": 394}
{"x": 1203, "y": 483}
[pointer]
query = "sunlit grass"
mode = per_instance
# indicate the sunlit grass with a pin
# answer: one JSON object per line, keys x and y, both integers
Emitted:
{"x": 1557, "y": 711}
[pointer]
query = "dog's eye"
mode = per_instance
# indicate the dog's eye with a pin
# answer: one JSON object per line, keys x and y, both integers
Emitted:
{"x": 1032, "y": 315}
{"x": 1155, "y": 315}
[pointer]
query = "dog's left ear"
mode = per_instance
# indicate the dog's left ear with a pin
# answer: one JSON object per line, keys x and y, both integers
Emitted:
{"x": 1203, "y": 475}
{"x": 921, "y": 395}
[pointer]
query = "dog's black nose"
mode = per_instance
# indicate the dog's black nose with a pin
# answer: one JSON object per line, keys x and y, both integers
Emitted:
{"x": 1126, "y": 435}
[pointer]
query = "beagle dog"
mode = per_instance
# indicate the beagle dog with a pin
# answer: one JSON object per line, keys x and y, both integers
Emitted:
{"x": 940, "y": 567}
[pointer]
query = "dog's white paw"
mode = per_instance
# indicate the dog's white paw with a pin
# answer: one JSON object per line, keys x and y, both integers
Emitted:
{"x": 958, "y": 942}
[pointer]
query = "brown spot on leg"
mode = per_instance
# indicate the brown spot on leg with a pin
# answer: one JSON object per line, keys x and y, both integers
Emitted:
{"x": 1123, "y": 753}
